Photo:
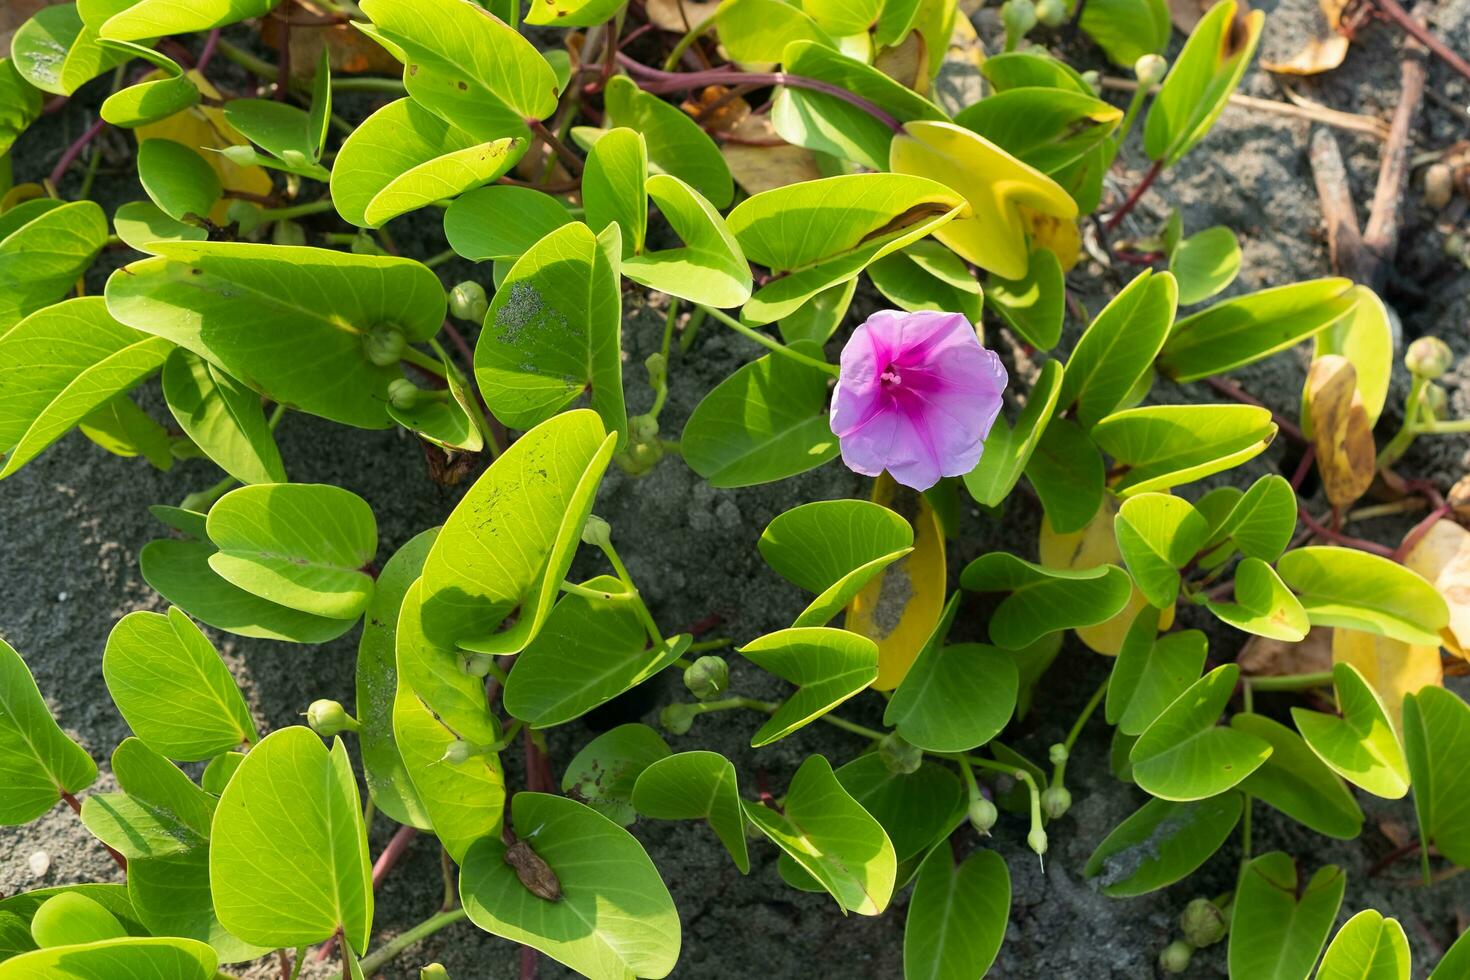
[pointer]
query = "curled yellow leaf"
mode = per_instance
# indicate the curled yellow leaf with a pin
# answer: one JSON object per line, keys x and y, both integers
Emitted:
{"x": 1443, "y": 557}
{"x": 1346, "y": 455}
{"x": 1391, "y": 667}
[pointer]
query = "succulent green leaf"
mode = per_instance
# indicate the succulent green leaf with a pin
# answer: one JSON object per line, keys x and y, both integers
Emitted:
{"x": 676, "y": 143}
{"x": 1008, "y": 449}
{"x": 1126, "y": 30}
{"x": 1263, "y": 520}
{"x": 1357, "y": 590}
{"x": 165, "y": 959}
{"x": 957, "y": 916}
{"x": 1436, "y": 738}
{"x": 501, "y": 222}
{"x": 150, "y": 101}
{"x": 827, "y": 665}
{"x": 38, "y": 762}
{"x": 1165, "y": 446}
{"x": 119, "y": 426}
{"x": 1151, "y": 672}
{"x": 1044, "y": 600}
{"x": 1205, "y": 263}
{"x": 613, "y": 186}
{"x": 709, "y": 268}
{"x": 1367, "y": 947}
{"x": 1157, "y": 535}
{"x": 1299, "y": 784}
{"x": 141, "y": 223}
{"x": 819, "y": 317}
{"x": 573, "y": 13}
{"x": 1366, "y": 338}
{"x": 1034, "y": 305}
{"x": 1048, "y": 128}
{"x": 1263, "y": 604}
{"x": 1278, "y": 928}
{"x": 759, "y": 31}
{"x": 160, "y": 813}
{"x": 603, "y": 775}
{"x": 1067, "y": 473}
{"x": 446, "y": 422}
{"x": 1184, "y": 756}
{"x": 18, "y": 911}
{"x": 20, "y": 104}
{"x": 177, "y": 179}
{"x": 1359, "y": 744}
{"x": 1455, "y": 962}
{"x": 156, "y": 18}
{"x": 1118, "y": 347}
{"x": 927, "y": 276}
{"x": 68, "y": 918}
{"x": 57, "y": 53}
{"x": 834, "y": 548}
{"x": 696, "y": 785}
{"x": 954, "y": 698}
{"x": 223, "y": 417}
{"x": 1161, "y": 843}
{"x": 916, "y": 809}
{"x": 41, "y": 259}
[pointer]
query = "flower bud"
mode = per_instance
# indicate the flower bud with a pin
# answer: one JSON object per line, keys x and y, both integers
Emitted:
{"x": 1055, "y": 801}
{"x": 241, "y": 155}
{"x": 1036, "y": 840}
{"x": 288, "y": 233}
{"x": 983, "y": 815}
{"x": 328, "y": 718}
{"x": 1018, "y": 16}
{"x": 295, "y": 158}
{"x": 1439, "y": 185}
{"x": 1176, "y": 956}
{"x": 658, "y": 370}
{"x": 403, "y": 393}
{"x": 1203, "y": 923}
{"x": 478, "y": 664}
{"x": 384, "y": 345}
{"x": 643, "y": 428}
{"x": 1052, "y": 13}
{"x": 899, "y": 756}
{"x": 677, "y": 718}
{"x": 467, "y": 301}
{"x": 708, "y": 677}
{"x": 1057, "y": 753}
{"x": 597, "y": 532}
{"x": 458, "y": 751}
{"x": 1436, "y": 401}
{"x": 1429, "y": 357}
{"x": 434, "y": 971}
{"x": 1150, "y": 69}
{"x": 1093, "y": 78}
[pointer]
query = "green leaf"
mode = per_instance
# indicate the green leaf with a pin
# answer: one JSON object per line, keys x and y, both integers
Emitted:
{"x": 160, "y": 813}
{"x": 466, "y": 65}
{"x": 1162, "y": 843}
{"x": 1044, "y": 600}
{"x": 42, "y": 259}
{"x": 509, "y": 542}
{"x": 1205, "y": 263}
{"x": 1200, "y": 81}
{"x": 1183, "y": 755}
{"x": 180, "y": 572}
{"x": 954, "y": 698}
{"x": 709, "y": 269}
{"x": 284, "y": 874}
{"x": 573, "y": 13}
{"x": 1359, "y": 744}
{"x": 151, "y": 100}
{"x": 819, "y": 317}
{"x": 1455, "y": 962}
{"x": 676, "y": 143}
{"x": 1034, "y": 305}
{"x": 759, "y": 31}
{"x": 833, "y": 548}
{"x": 1436, "y": 738}
{"x": 819, "y": 233}
{"x": 19, "y": 910}
{"x": 177, "y": 179}
{"x": 696, "y": 786}
{"x": 764, "y": 423}
{"x": 240, "y": 305}
{"x": 832, "y": 838}
{"x": 223, "y": 417}
{"x": 123, "y": 429}
{"x": 437, "y": 703}
{"x": 615, "y": 918}
{"x": 1047, "y": 128}
{"x": 827, "y": 665}
{"x": 1127, "y": 30}
{"x": 1151, "y": 672}
{"x": 156, "y": 18}
{"x": 1263, "y": 520}
{"x": 20, "y": 104}
{"x": 141, "y": 223}
{"x": 1157, "y": 535}
{"x": 172, "y": 688}
{"x": 613, "y": 186}
{"x": 1117, "y": 349}
{"x": 403, "y": 157}
{"x": 1165, "y": 446}
{"x": 501, "y": 222}
{"x": 1299, "y": 784}
{"x": 588, "y": 652}
{"x": 279, "y": 128}
{"x": 927, "y": 276}
{"x": 165, "y": 959}
{"x": 1263, "y": 604}
{"x": 1008, "y": 449}
{"x": 37, "y": 760}
{"x": 384, "y": 772}
{"x": 915, "y": 809}
{"x": 60, "y": 364}
{"x": 603, "y": 775}
{"x": 1278, "y": 928}
{"x": 1367, "y": 947}
{"x": 1366, "y": 338}
{"x": 554, "y": 329}
{"x": 1067, "y": 473}
{"x": 444, "y": 421}
{"x": 68, "y": 918}
{"x": 1248, "y": 328}
{"x": 301, "y": 545}
{"x": 172, "y": 895}
{"x": 1357, "y": 590}
{"x": 57, "y": 53}
{"x": 957, "y": 916}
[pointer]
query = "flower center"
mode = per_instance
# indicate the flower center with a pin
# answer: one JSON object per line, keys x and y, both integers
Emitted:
{"x": 890, "y": 378}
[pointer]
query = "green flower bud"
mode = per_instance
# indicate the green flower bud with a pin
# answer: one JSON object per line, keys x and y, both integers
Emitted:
{"x": 294, "y": 158}
{"x": 983, "y": 815}
{"x": 708, "y": 677}
{"x": 1203, "y": 923}
{"x": 1052, "y": 13}
{"x": 384, "y": 345}
{"x": 597, "y": 532}
{"x": 467, "y": 301}
{"x": 677, "y": 718}
{"x": 1057, "y": 754}
{"x": 288, "y": 233}
{"x": 403, "y": 393}
{"x": 365, "y": 244}
{"x": 434, "y": 971}
{"x": 1429, "y": 357}
{"x": 643, "y": 429}
{"x": 459, "y": 751}
{"x": 1436, "y": 401}
{"x": 328, "y": 718}
{"x": 241, "y": 155}
{"x": 1036, "y": 840}
{"x": 1150, "y": 69}
{"x": 899, "y": 757}
{"x": 1055, "y": 801}
{"x": 1176, "y": 956}
{"x": 478, "y": 664}
{"x": 658, "y": 369}
{"x": 1018, "y": 16}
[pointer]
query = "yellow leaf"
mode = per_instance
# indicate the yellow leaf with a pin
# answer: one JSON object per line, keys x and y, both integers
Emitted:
{"x": 1059, "y": 236}
{"x": 1095, "y": 545}
{"x": 204, "y": 128}
{"x": 1346, "y": 455}
{"x": 1391, "y": 667}
{"x": 1323, "y": 51}
{"x": 1443, "y": 557}
{"x": 996, "y": 185}
{"x": 899, "y": 609}
{"x": 19, "y": 194}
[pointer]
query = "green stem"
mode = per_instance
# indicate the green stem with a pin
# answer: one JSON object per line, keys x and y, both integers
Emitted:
{"x": 1131, "y": 114}
{"x": 503, "y": 742}
{"x": 375, "y": 961}
{"x": 256, "y": 66}
{"x": 691, "y": 329}
{"x": 1291, "y": 682}
{"x": 439, "y": 258}
{"x": 1404, "y": 438}
{"x": 388, "y": 86}
{"x": 671, "y": 63}
{"x": 768, "y": 342}
{"x": 298, "y": 962}
{"x": 704, "y": 645}
{"x": 654, "y": 635}
{"x": 446, "y": 868}
{"x": 202, "y": 500}
{"x": 319, "y": 206}
{"x": 1442, "y": 428}
{"x": 598, "y": 594}
{"x": 1059, "y": 773}
{"x": 419, "y": 359}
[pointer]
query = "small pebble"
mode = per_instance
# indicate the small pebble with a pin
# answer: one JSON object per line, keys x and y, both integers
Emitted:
{"x": 40, "y": 863}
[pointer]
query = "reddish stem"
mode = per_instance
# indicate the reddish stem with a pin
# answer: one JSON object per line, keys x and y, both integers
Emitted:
{"x": 75, "y": 150}
{"x": 1396, "y": 13}
{"x": 1132, "y": 200}
{"x": 211, "y": 41}
{"x": 283, "y": 68}
{"x": 1230, "y": 389}
{"x": 1337, "y": 537}
{"x": 397, "y": 847}
{"x": 1418, "y": 531}
{"x": 528, "y": 963}
{"x": 1304, "y": 467}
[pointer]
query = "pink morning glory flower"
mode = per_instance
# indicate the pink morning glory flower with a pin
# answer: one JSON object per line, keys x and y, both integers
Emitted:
{"x": 916, "y": 397}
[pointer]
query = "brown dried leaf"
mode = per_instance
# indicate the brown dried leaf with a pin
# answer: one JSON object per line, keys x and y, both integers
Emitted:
{"x": 351, "y": 51}
{"x": 1443, "y": 557}
{"x": 907, "y": 62}
{"x": 759, "y": 168}
{"x": 533, "y": 871}
{"x": 1346, "y": 455}
{"x": 1264, "y": 657}
{"x": 716, "y": 110}
{"x": 1324, "y": 51}
{"x": 679, "y": 15}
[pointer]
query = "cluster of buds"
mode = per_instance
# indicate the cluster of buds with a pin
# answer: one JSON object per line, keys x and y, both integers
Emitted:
{"x": 1203, "y": 924}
